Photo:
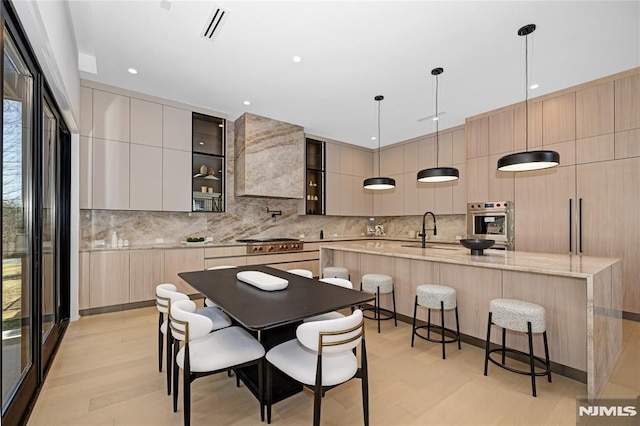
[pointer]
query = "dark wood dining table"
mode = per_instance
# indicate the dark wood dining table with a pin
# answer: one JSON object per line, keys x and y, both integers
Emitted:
{"x": 272, "y": 316}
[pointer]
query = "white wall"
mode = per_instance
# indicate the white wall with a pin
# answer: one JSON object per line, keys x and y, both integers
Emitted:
{"x": 50, "y": 32}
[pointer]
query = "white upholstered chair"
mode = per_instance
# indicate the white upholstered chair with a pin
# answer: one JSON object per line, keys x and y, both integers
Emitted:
{"x": 302, "y": 272}
{"x": 207, "y": 301}
{"x": 321, "y": 358}
{"x": 331, "y": 315}
{"x": 166, "y": 294}
{"x": 204, "y": 353}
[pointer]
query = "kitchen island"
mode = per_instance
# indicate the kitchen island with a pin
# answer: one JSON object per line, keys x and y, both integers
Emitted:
{"x": 582, "y": 295}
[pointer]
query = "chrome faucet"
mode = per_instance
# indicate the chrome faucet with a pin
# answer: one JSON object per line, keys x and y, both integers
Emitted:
{"x": 424, "y": 229}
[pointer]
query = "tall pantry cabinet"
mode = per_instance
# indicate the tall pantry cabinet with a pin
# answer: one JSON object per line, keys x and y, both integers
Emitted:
{"x": 588, "y": 205}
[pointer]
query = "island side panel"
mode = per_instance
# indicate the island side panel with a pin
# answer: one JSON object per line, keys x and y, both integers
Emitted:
{"x": 606, "y": 344}
{"x": 409, "y": 274}
{"x": 565, "y": 303}
{"x": 475, "y": 288}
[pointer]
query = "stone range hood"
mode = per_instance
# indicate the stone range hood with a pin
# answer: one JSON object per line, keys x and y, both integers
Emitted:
{"x": 269, "y": 158}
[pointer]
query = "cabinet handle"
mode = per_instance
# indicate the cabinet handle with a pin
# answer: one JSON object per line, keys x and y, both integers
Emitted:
{"x": 580, "y": 224}
{"x": 570, "y": 225}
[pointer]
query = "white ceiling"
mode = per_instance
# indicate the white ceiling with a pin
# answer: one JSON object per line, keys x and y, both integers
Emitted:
{"x": 352, "y": 51}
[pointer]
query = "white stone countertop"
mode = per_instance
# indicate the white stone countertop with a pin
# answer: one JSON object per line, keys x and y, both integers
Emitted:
{"x": 576, "y": 266}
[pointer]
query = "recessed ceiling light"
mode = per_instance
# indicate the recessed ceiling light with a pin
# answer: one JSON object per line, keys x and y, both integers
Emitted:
{"x": 247, "y": 103}
{"x": 534, "y": 86}
{"x": 133, "y": 71}
{"x": 297, "y": 59}
{"x": 373, "y": 138}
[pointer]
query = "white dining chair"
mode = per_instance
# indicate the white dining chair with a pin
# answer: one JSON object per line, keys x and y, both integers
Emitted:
{"x": 321, "y": 358}
{"x": 341, "y": 282}
{"x": 302, "y": 272}
{"x": 166, "y": 294}
{"x": 204, "y": 353}
{"x": 207, "y": 301}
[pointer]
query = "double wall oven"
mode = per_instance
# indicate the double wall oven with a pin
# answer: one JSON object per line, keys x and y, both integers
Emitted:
{"x": 493, "y": 220}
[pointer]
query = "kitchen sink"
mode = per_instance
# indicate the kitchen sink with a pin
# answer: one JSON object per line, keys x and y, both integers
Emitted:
{"x": 429, "y": 247}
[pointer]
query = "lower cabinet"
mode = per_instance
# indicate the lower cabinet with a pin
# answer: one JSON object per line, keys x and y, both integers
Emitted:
{"x": 145, "y": 273}
{"x": 108, "y": 278}
{"x": 182, "y": 260}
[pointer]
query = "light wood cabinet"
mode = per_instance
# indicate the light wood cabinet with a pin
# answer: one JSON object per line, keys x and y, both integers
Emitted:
{"x": 609, "y": 228}
{"x": 559, "y": 119}
{"x": 346, "y": 195}
{"x": 182, "y": 260}
{"x": 411, "y": 159}
{"x": 108, "y": 278}
{"x": 410, "y": 194}
{"x": 478, "y": 179}
{"x": 146, "y": 272}
{"x": 459, "y": 190}
{"x": 627, "y": 103}
{"x": 145, "y": 178}
{"x": 459, "y": 146}
{"x": 146, "y": 123}
{"x": 362, "y": 198}
{"x": 362, "y": 163}
{"x": 501, "y": 184}
{"x": 627, "y": 144}
{"x": 391, "y": 161}
{"x": 176, "y": 128}
{"x": 501, "y": 132}
{"x": 228, "y": 261}
{"x": 110, "y": 116}
{"x": 332, "y": 207}
{"x": 595, "y": 148}
{"x": 443, "y": 193}
{"x": 346, "y": 160}
{"x": 389, "y": 202}
{"x": 86, "y": 172}
{"x": 594, "y": 110}
{"x": 84, "y": 280}
{"x": 477, "y": 132}
{"x": 445, "y": 149}
{"x": 535, "y": 126}
{"x": 332, "y": 152}
{"x": 110, "y": 184}
{"x": 426, "y": 197}
{"x": 426, "y": 153}
{"x": 176, "y": 180}
{"x": 542, "y": 219}
{"x": 86, "y": 111}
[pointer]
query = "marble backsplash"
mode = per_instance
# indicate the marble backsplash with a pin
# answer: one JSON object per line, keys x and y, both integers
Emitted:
{"x": 248, "y": 219}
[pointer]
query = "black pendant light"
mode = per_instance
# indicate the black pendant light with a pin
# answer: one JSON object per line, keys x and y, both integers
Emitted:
{"x": 378, "y": 183}
{"x": 528, "y": 160}
{"x": 437, "y": 174}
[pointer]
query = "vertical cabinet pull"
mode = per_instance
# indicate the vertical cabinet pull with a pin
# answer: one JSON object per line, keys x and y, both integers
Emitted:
{"x": 580, "y": 225}
{"x": 570, "y": 225}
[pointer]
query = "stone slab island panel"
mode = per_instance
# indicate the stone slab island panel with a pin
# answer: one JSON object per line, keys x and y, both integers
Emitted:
{"x": 582, "y": 295}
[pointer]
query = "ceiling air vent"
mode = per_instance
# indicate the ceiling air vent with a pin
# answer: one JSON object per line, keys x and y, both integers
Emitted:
{"x": 214, "y": 23}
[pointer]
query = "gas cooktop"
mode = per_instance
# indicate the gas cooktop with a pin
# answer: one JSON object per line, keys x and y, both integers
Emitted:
{"x": 271, "y": 245}
{"x": 265, "y": 240}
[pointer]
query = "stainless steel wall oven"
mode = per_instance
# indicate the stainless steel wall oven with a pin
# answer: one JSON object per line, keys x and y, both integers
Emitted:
{"x": 493, "y": 220}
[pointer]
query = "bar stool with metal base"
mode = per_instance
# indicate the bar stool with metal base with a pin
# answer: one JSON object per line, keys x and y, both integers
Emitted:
{"x": 379, "y": 284}
{"x": 335, "y": 272}
{"x": 523, "y": 317}
{"x": 441, "y": 298}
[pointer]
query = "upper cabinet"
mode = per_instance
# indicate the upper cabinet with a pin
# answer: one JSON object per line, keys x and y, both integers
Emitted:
{"x": 477, "y": 137}
{"x": 146, "y": 123}
{"x": 269, "y": 158}
{"x": 176, "y": 128}
{"x": 314, "y": 202}
{"x": 559, "y": 119}
{"x": 110, "y": 116}
{"x": 627, "y": 103}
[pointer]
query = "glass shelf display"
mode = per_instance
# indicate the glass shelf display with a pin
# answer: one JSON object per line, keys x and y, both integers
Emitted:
{"x": 208, "y": 166}
{"x": 314, "y": 186}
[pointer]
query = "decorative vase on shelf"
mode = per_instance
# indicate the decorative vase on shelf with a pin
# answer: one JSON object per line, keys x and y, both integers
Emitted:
{"x": 203, "y": 169}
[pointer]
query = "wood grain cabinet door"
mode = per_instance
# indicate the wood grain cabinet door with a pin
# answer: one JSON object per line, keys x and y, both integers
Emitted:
{"x": 108, "y": 278}
{"x": 146, "y": 272}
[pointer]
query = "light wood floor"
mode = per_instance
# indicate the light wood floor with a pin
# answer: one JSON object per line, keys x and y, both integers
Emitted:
{"x": 106, "y": 373}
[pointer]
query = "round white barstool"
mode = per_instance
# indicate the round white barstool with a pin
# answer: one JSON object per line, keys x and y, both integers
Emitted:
{"x": 523, "y": 317}
{"x": 436, "y": 297}
{"x": 379, "y": 284}
{"x": 335, "y": 272}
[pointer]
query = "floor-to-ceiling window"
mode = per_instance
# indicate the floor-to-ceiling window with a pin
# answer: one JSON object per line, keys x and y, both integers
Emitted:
{"x": 17, "y": 118}
{"x": 35, "y": 222}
